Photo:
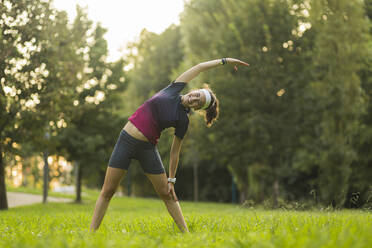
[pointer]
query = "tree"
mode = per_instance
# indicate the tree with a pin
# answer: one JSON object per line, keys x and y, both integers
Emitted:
{"x": 25, "y": 28}
{"x": 360, "y": 191}
{"x": 256, "y": 126}
{"x": 339, "y": 47}
{"x": 94, "y": 119}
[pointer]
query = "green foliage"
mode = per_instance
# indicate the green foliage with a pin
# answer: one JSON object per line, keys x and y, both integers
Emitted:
{"x": 94, "y": 120}
{"x": 360, "y": 186}
{"x": 56, "y": 83}
{"x": 23, "y": 69}
{"x": 131, "y": 222}
{"x": 338, "y": 52}
{"x": 262, "y": 125}
{"x": 301, "y": 141}
{"x": 154, "y": 57}
{"x": 30, "y": 44}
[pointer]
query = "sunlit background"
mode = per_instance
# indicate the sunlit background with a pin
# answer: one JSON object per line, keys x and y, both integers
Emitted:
{"x": 124, "y": 20}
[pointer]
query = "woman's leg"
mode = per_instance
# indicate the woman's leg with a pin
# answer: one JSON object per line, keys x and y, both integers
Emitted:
{"x": 160, "y": 183}
{"x": 112, "y": 180}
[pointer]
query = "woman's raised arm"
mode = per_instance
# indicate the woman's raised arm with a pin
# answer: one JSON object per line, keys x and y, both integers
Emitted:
{"x": 195, "y": 70}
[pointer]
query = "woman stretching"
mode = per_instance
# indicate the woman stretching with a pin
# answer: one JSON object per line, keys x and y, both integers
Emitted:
{"x": 139, "y": 137}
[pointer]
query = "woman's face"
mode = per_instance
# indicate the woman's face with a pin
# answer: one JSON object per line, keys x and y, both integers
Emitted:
{"x": 194, "y": 99}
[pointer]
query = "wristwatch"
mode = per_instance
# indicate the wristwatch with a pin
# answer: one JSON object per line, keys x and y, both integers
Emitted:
{"x": 172, "y": 180}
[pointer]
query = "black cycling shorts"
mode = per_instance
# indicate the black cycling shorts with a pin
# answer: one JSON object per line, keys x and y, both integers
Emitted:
{"x": 128, "y": 147}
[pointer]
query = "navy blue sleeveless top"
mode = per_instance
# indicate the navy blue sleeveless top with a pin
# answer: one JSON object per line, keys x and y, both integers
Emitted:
{"x": 161, "y": 111}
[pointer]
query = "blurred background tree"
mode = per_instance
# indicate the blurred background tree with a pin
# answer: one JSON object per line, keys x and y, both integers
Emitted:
{"x": 339, "y": 47}
{"x": 29, "y": 32}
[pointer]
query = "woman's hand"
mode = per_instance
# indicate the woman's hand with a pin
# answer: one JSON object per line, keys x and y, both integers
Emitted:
{"x": 171, "y": 192}
{"x": 236, "y": 62}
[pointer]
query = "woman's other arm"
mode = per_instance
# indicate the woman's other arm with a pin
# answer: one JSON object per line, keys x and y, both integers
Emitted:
{"x": 174, "y": 156}
{"x": 173, "y": 164}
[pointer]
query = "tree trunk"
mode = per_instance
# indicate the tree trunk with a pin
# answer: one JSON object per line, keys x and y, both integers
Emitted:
{"x": 46, "y": 177}
{"x": 3, "y": 199}
{"x": 196, "y": 187}
{"x": 24, "y": 172}
{"x": 129, "y": 184}
{"x": 78, "y": 176}
{"x": 233, "y": 190}
{"x": 243, "y": 193}
{"x": 276, "y": 192}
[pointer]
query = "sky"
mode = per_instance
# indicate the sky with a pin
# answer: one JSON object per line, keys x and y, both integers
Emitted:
{"x": 125, "y": 19}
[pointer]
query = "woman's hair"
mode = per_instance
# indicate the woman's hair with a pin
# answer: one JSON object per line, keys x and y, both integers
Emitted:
{"x": 212, "y": 112}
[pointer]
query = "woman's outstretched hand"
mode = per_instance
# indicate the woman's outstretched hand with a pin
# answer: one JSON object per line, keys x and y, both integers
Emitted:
{"x": 171, "y": 192}
{"x": 236, "y": 62}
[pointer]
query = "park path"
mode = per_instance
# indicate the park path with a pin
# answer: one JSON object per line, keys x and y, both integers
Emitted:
{"x": 19, "y": 199}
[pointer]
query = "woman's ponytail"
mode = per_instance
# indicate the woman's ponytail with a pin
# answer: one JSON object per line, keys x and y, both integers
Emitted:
{"x": 212, "y": 112}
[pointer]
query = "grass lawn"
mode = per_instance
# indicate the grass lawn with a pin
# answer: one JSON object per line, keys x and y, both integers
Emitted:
{"x": 138, "y": 222}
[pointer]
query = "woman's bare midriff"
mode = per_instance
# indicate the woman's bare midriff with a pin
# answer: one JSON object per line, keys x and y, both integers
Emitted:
{"x": 134, "y": 132}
